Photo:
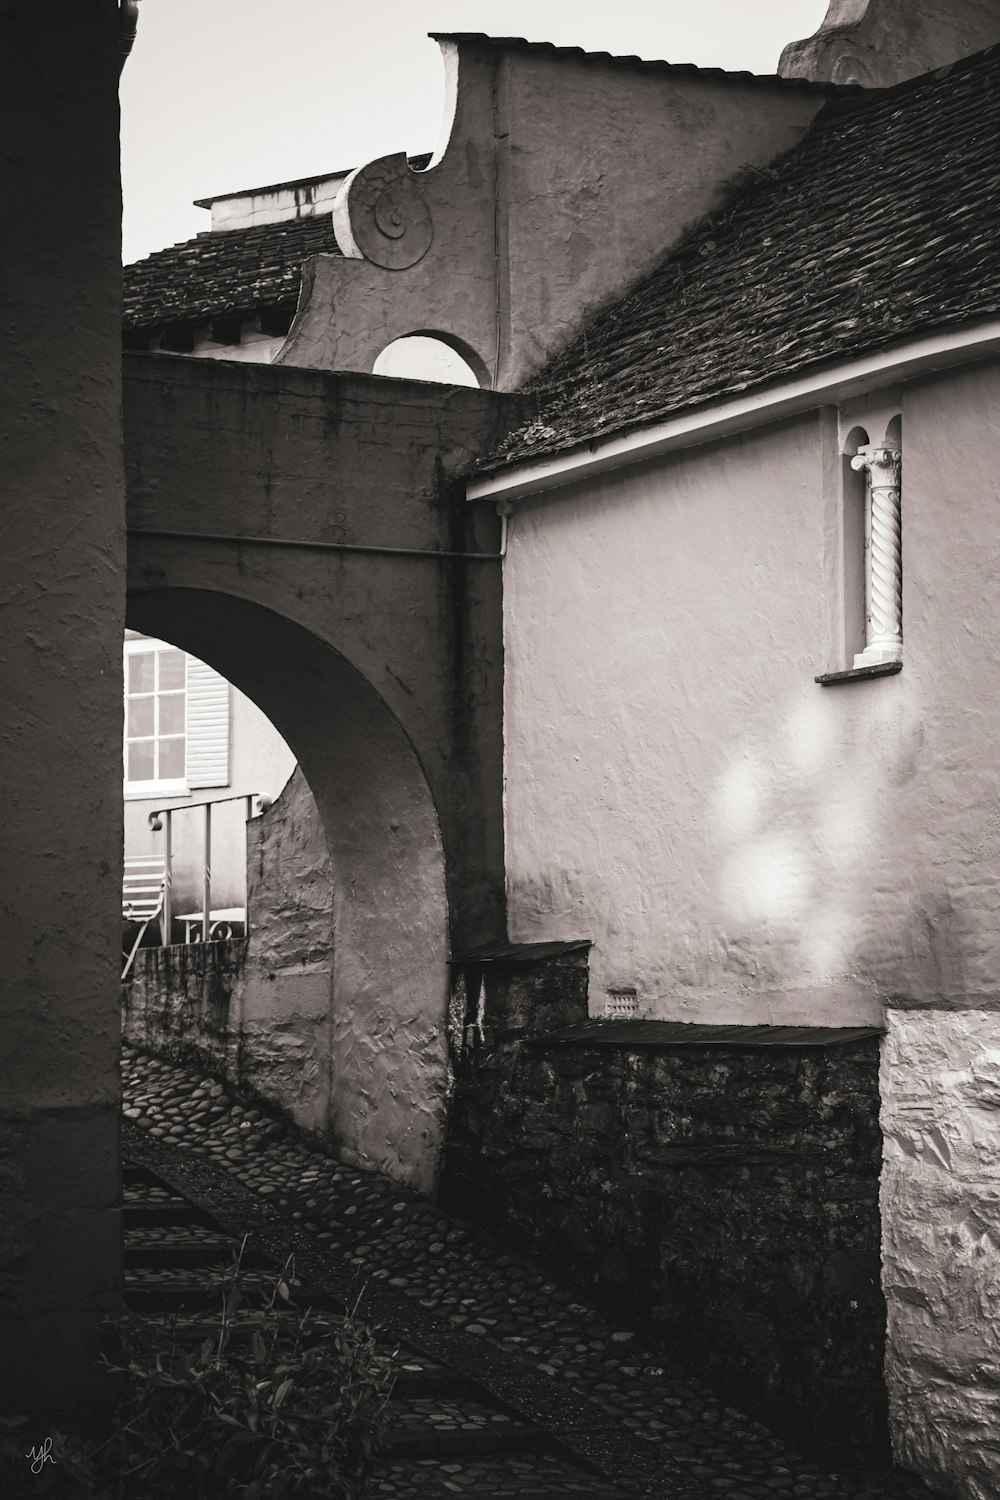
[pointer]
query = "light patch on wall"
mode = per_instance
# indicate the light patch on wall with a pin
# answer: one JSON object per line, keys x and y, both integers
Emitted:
{"x": 767, "y": 880}
{"x": 811, "y": 735}
{"x": 843, "y": 825}
{"x": 827, "y": 943}
{"x": 736, "y": 805}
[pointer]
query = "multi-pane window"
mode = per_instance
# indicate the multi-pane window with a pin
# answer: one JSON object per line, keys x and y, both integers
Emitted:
{"x": 155, "y": 713}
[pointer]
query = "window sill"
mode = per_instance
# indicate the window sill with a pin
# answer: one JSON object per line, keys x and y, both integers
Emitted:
{"x": 859, "y": 674}
{"x": 143, "y": 791}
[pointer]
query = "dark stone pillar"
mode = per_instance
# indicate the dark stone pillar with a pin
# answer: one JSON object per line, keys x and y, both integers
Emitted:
{"x": 61, "y": 621}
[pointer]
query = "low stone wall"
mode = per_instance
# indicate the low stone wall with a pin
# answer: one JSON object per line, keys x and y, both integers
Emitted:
{"x": 256, "y": 1011}
{"x": 941, "y": 1207}
{"x": 727, "y": 1195}
{"x": 176, "y": 1002}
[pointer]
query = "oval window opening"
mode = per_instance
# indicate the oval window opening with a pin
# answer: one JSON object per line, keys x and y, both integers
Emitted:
{"x": 417, "y": 357}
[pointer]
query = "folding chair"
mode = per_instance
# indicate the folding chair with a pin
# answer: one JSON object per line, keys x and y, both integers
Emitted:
{"x": 143, "y": 887}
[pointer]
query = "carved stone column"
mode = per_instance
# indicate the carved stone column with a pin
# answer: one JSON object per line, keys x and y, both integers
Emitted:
{"x": 884, "y": 574}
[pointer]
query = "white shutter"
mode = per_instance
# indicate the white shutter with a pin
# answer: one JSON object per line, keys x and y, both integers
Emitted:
{"x": 207, "y": 726}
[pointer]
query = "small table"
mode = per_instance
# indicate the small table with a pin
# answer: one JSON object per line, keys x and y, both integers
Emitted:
{"x": 221, "y": 924}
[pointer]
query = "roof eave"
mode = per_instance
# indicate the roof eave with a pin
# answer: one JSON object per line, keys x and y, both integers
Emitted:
{"x": 719, "y": 419}
{"x": 694, "y": 70}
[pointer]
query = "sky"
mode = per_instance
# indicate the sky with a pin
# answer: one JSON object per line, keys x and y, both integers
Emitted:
{"x": 226, "y": 94}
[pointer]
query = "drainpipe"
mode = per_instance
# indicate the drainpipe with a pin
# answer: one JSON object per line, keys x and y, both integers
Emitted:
{"x": 128, "y": 20}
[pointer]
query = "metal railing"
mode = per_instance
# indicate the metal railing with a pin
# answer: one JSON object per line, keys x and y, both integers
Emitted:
{"x": 161, "y": 820}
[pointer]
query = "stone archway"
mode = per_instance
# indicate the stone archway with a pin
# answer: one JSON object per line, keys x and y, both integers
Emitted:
{"x": 386, "y": 1025}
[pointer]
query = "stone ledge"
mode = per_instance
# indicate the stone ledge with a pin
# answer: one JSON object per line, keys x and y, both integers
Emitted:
{"x": 521, "y": 953}
{"x": 859, "y": 674}
{"x": 692, "y": 1034}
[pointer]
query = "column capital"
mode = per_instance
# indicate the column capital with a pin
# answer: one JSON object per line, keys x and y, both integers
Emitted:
{"x": 880, "y": 463}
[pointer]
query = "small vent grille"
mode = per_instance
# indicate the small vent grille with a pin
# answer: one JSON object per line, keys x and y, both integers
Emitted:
{"x": 621, "y": 1003}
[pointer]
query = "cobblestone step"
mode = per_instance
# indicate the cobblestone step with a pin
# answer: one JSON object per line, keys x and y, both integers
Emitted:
{"x": 441, "y": 1426}
{"x": 529, "y": 1476}
{"x": 434, "y": 1425}
{"x": 623, "y": 1418}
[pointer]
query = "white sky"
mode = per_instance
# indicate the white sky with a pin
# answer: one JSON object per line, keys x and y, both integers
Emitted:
{"x": 227, "y": 94}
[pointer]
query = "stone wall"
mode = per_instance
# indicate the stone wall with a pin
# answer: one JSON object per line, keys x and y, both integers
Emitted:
{"x": 177, "y": 1003}
{"x": 941, "y": 1204}
{"x": 727, "y": 1195}
{"x": 255, "y": 1011}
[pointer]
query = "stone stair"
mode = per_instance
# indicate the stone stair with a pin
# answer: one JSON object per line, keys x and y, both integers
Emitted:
{"x": 446, "y": 1435}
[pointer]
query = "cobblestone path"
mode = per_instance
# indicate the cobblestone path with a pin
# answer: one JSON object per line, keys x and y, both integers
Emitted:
{"x": 508, "y": 1387}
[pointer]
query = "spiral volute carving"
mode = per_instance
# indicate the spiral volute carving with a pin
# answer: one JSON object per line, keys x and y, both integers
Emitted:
{"x": 390, "y": 220}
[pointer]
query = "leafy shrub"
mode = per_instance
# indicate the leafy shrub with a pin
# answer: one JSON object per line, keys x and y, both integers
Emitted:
{"x": 294, "y": 1408}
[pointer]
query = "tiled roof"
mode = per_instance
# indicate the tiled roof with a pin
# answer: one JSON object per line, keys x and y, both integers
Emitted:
{"x": 224, "y": 274}
{"x": 881, "y": 224}
{"x": 520, "y": 44}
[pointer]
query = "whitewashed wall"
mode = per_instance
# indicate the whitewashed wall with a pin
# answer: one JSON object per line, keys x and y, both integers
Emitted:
{"x": 744, "y": 845}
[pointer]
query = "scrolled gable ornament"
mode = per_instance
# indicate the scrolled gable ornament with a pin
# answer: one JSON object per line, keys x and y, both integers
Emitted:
{"x": 380, "y": 214}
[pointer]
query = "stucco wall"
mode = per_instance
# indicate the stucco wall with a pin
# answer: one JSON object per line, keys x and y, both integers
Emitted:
{"x": 380, "y": 669}
{"x": 542, "y": 207}
{"x": 678, "y": 788}
{"x": 741, "y": 843}
{"x": 284, "y": 1007}
{"x": 878, "y": 43}
{"x": 610, "y": 165}
{"x": 61, "y": 621}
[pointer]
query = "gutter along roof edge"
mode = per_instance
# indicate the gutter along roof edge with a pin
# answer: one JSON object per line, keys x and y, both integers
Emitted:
{"x": 723, "y": 418}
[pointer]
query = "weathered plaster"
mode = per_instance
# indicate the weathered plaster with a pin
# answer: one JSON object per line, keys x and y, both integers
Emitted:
{"x": 61, "y": 619}
{"x": 273, "y": 205}
{"x": 381, "y": 672}
{"x": 881, "y": 42}
{"x": 941, "y": 1208}
{"x": 284, "y": 1011}
{"x": 741, "y": 844}
{"x": 541, "y": 207}
{"x": 265, "y": 451}
{"x": 744, "y": 845}
{"x": 391, "y": 920}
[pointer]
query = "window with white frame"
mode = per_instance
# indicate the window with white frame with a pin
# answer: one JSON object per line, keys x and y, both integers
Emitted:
{"x": 155, "y": 716}
{"x": 176, "y": 720}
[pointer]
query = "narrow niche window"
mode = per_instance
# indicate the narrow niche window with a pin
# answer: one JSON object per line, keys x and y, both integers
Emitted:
{"x": 881, "y": 466}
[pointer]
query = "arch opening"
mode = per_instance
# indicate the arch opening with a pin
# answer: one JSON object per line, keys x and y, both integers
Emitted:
{"x": 430, "y": 355}
{"x": 378, "y": 1031}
